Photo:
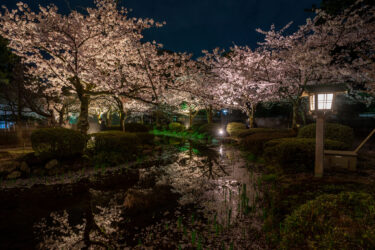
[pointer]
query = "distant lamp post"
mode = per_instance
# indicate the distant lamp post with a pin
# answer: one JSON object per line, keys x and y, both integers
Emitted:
{"x": 321, "y": 101}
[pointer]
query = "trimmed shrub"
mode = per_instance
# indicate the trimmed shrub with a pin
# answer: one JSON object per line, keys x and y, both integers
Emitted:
{"x": 342, "y": 221}
{"x": 210, "y": 129}
{"x": 333, "y": 131}
{"x": 57, "y": 142}
{"x": 175, "y": 126}
{"x": 296, "y": 154}
{"x": 251, "y": 131}
{"x": 116, "y": 141}
{"x": 136, "y": 127}
{"x": 145, "y": 137}
{"x": 234, "y": 128}
{"x": 255, "y": 142}
{"x": 115, "y": 147}
{"x": 113, "y": 127}
{"x": 195, "y": 127}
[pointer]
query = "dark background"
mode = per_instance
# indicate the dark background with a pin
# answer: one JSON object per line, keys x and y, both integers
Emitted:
{"x": 194, "y": 25}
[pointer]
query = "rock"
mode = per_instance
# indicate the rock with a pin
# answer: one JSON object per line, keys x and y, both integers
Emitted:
{"x": 55, "y": 171}
{"x": 147, "y": 151}
{"x": 8, "y": 166}
{"x": 14, "y": 175}
{"x": 51, "y": 164}
{"x": 138, "y": 201}
{"x": 25, "y": 168}
{"x": 4, "y": 155}
{"x": 39, "y": 171}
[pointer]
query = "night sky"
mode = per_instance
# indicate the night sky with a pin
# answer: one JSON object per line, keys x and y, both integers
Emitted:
{"x": 194, "y": 25}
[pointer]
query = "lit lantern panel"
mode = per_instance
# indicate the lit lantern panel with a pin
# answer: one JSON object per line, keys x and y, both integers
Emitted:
{"x": 312, "y": 102}
{"x": 325, "y": 101}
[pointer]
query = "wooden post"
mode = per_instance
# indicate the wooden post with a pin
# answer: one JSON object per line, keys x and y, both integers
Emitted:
{"x": 364, "y": 141}
{"x": 319, "y": 145}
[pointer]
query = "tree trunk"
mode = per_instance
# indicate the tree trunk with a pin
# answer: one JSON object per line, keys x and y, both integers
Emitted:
{"x": 157, "y": 116}
{"x": 123, "y": 117}
{"x": 209, "y": 114}
{"x": 109, "y": 118}
{"x": 6, "y": 120}
{"x": 61, "y": 119}
{"x": 303, "y": 116}
{"x": 51, "y": 121}
{"x": 295, "y": 114}
{"x": 190, "y": 118}
{"x": 61, "y": 116}
{"x": 122, "y": 121}
{"x": 251, "y": 113}
{"x": 83, "y": 122}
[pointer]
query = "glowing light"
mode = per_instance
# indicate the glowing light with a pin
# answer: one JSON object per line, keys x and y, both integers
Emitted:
{"x": 325, "y": 101}
{"x": 221, "y": 131}
{"x": 312, "y": 102}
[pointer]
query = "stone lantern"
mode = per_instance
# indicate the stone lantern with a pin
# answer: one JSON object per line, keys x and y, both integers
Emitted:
{"x": 321, "y": 102}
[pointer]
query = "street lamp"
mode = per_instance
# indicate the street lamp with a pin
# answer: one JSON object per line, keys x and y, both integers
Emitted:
{"x": 321, "y": 101}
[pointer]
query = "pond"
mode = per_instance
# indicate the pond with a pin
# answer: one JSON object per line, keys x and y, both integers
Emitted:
{"x": 190, "y": 195}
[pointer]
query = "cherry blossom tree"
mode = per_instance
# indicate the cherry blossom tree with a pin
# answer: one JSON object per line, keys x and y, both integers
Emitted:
{"x": 241, "y": 85}
{"x": 160, "y": 70}
{"x": 129, "y": 106}
{"x": 301, "y": 59}
{"x": 69, "y": 51}
{"x": 350, "y": 38}
{"x": 199, "y": 84}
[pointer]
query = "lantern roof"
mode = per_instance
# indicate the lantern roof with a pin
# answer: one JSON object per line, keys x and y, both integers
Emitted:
{"x": 325, "y": 88}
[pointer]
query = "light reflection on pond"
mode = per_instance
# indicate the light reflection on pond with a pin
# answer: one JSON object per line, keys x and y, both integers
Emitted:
{"x": 212, "y": 179}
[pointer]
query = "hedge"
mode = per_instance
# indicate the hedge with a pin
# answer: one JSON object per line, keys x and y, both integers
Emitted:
{"x": 246, "y": 132}
{"x": 333, "y": 131}
{"x": 115, "y": 147}
{"x": 113, "y": 127}
{"x": 234, "y": 128}
{"x": 175, "y": 126}
{"x": 255, "y": 142}
{"x": 211, "y": 129}
{"x": 136, "y": 127}
{"x": 195, "y": 127}
{"x": 116, "y": 141}
{"x": 342, "y": 221}
{"x": 145, "y": 137}
{"x": 57, "y": 142}
{"x": 296, "y": 154}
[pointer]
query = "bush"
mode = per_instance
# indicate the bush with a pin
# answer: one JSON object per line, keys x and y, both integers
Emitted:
{"x": 210, "y": 129}
{"x": 113, "y": 127}
{"x": 57, "y": 142}
{"x": 333, "y": 131}
{"x": 251, "y": 131}
{"x": 296, "y": 154}
{"x": 116, "y": 141}
{"x": 136, "y": 127}
{"x": 115, "y": 147}
{"x": 234, "y": 128}
{"x": 255, "y": 142}
{"x": 195, "y": 127}
{"x": 342, "y": 221}
{"x": 145, "y": 137}
{"x": 176, "y": 127}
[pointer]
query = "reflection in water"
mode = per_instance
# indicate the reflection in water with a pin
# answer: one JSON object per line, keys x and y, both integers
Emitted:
{"x": 212, "y": 179}
{"x": 216, "y": 179}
